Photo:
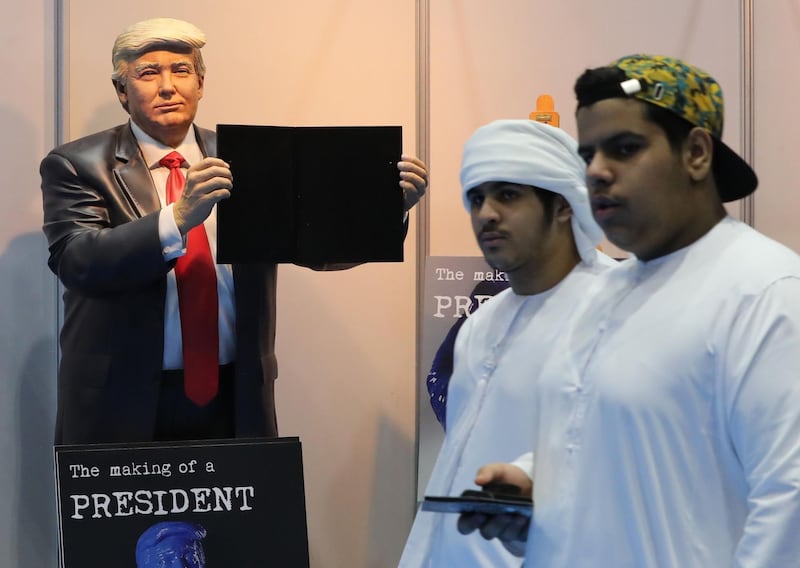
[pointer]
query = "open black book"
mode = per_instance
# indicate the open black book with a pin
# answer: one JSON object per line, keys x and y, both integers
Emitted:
{"x": 311, "y": 195}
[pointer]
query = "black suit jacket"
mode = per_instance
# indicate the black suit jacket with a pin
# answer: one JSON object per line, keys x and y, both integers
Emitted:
{"x": 101, "y": 223}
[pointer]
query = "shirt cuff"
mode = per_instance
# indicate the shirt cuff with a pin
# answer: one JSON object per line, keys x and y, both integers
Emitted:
{"x": 525, "y": 463}
{"x": 173, "y": 244}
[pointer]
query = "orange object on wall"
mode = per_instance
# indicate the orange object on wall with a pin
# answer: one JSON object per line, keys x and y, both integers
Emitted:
{"x": 545, "y": 111}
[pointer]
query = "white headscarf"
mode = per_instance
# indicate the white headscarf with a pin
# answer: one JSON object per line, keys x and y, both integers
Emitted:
{"x": 537, "y": 154}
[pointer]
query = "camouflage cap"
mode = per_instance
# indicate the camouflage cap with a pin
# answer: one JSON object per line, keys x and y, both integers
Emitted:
{"x": 676, "y": 86}
{"x": 691, "y": 94}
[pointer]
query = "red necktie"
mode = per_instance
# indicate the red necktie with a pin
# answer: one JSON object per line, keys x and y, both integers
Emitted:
{"x": 197, "y": 301}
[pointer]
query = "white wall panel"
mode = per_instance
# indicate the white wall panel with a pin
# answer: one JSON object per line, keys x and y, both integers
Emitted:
{"x": 492, "y": 60}
{"x": 776, "y": 119}
{"x": 28, "y": 308}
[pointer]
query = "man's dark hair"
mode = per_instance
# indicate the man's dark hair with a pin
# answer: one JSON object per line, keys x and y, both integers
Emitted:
{"x": 548, "y": 199}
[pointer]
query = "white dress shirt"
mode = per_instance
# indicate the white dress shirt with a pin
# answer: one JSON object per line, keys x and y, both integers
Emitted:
{"x": 173, "y": 246}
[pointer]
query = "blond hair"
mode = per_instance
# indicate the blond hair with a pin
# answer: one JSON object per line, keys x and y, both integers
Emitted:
{"x": 156, "y": 34}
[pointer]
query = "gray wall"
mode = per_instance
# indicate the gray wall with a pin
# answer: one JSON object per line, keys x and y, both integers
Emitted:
{"x": 494, "y": 63}
{"x": 28, "y": 307}
{"x": 776, "y": 119}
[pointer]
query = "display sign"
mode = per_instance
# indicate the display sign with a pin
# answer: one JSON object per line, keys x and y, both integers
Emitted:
{"x": 231, "y": 503}
{"x": 455, "y": 286}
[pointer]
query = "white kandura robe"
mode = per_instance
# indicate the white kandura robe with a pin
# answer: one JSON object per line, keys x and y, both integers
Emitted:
{"x": 667, "y": 426}
{"x": 498, "y": 353}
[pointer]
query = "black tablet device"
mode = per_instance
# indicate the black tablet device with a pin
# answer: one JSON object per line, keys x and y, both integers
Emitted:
{"x": 487, "y": 502}
{"x": 311, "y": 195}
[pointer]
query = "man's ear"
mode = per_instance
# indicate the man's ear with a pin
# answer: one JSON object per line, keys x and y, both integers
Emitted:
{"x": 698, "y": 153}
{"x": 562, "y": 208}
{"x": 119, "y": 87}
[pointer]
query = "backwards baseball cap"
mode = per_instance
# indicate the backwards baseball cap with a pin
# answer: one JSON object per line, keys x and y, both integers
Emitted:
{"x": 533, "y": 153}
{"x": 689, "y": 93}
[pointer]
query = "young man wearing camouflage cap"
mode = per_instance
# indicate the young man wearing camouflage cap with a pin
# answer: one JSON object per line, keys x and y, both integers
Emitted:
{"x": 668, "y": 427}
{"x": 523, "y": 185}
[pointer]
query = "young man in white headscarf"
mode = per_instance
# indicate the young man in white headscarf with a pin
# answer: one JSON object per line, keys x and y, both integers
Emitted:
{"x": 523, "y": 185}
